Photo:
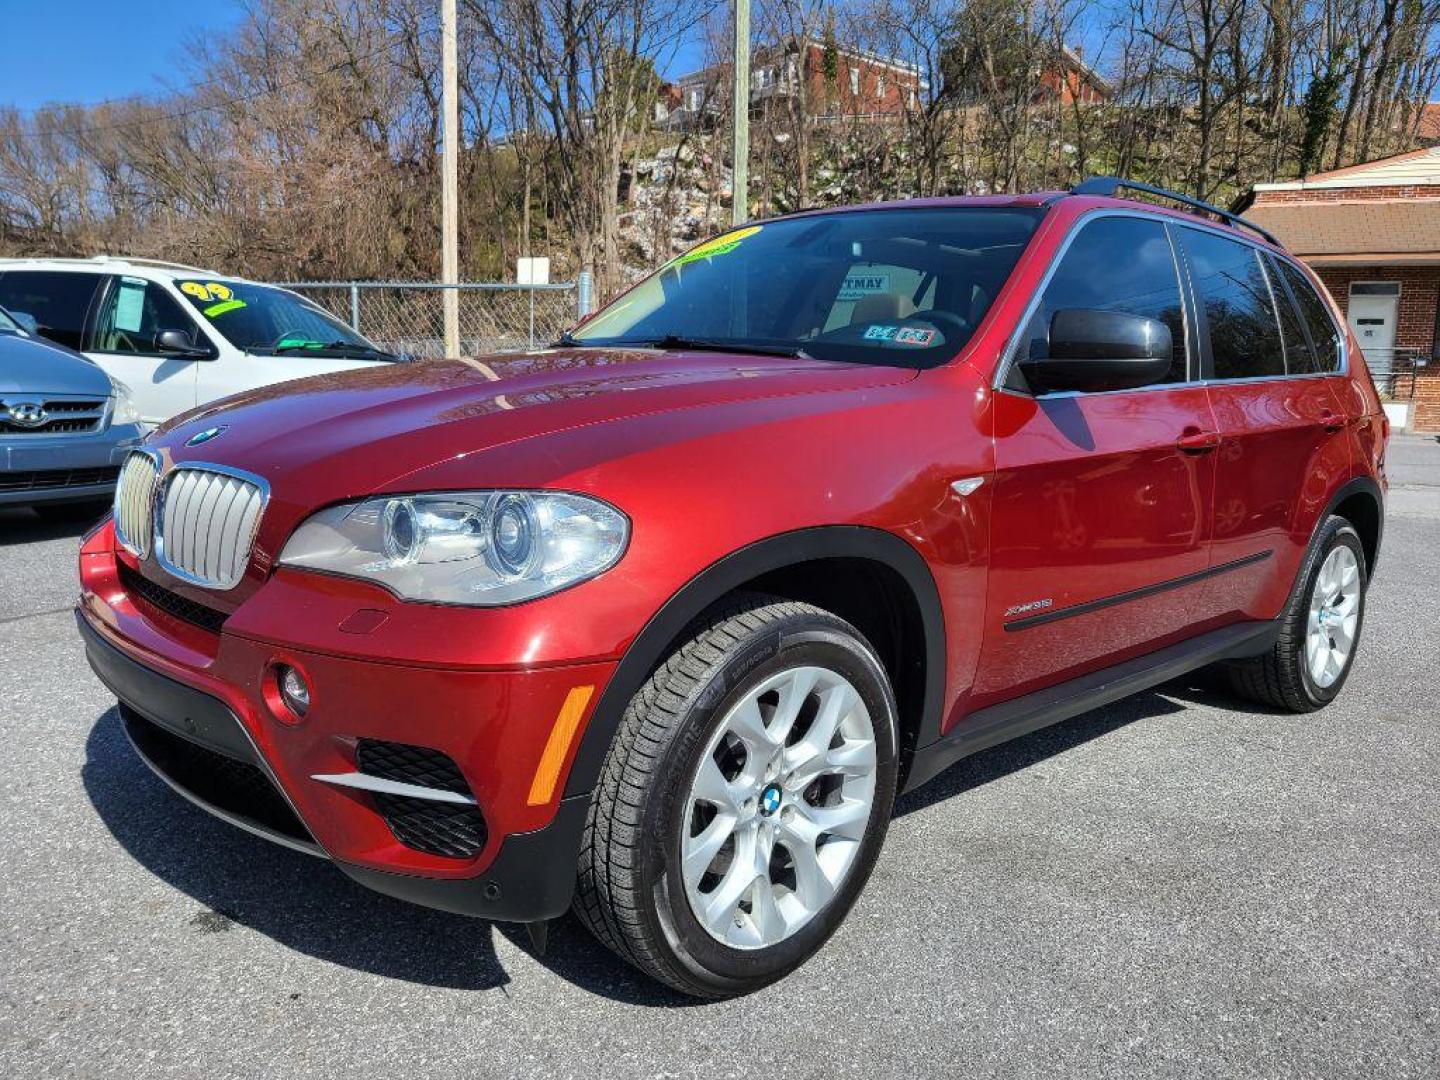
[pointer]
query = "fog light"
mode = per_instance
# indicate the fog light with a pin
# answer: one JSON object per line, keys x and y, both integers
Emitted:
{"x": 294, "y": 691}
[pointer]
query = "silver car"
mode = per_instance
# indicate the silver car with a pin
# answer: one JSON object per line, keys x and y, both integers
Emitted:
{"x": 65, "y": 427}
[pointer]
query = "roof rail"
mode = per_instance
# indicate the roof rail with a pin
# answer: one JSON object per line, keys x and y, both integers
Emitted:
{"x": 1109, "y": 185}
{"x": 163, "y": 264}
{"x": 116, "y": 260}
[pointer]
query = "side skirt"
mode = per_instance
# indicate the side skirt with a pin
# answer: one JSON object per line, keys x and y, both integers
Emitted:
{"x": 1011, "y": 719}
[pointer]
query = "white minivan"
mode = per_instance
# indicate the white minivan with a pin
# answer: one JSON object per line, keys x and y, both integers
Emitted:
{"x": 175, "y": 335}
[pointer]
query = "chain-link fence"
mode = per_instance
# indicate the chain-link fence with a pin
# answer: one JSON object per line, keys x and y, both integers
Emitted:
{"x": 407, "y": 317}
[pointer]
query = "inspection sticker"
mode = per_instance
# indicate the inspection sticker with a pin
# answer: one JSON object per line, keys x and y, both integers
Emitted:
{"x": 914, "y": 335}
{"x": 900, "y": 335}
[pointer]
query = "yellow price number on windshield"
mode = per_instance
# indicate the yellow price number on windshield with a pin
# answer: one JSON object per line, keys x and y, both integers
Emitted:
{"x": 207, "y": 291}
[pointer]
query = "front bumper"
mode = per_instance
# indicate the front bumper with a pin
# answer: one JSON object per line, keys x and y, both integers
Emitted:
{"x": 196, "y": 709}
{"x": 63, "y": 468}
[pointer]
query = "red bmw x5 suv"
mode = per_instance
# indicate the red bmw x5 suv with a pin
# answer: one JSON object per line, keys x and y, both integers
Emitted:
{"x": 658, "y": 621}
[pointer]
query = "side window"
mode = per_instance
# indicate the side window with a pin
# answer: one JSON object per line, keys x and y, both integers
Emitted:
{"x": 57, "y": 301}
{"x": 133, "y": 314}
{"x": 1115, "y": 264}
{"x": 1315, "y": 313}
{"x": 1239, "y": 308}
{"x": 873, "y": 292}
{"x": 1299, "y": 360}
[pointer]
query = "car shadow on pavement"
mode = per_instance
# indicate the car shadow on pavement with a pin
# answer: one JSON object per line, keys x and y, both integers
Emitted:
{"x": 1000, "y": 761}
{"x": 306, "y": 905}
{"x": 21, "y": 525}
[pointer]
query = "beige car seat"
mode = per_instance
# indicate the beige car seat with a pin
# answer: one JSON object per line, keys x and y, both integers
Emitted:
{"x": 881, "y": 307}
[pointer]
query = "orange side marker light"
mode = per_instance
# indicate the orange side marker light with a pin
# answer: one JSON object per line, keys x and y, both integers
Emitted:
{"x": 547, "y": 773}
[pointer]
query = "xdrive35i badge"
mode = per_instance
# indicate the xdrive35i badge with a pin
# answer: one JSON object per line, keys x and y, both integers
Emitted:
{"x": 205, "y": 436}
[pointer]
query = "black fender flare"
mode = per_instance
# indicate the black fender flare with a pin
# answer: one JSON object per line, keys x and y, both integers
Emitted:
{"x": 728, "y": 574}
{"x": 1365, "y": 485}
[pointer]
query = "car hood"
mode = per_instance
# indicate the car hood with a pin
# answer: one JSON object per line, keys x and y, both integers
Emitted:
{"x": 345, "y": 434}
{"x": 31, "y": 366}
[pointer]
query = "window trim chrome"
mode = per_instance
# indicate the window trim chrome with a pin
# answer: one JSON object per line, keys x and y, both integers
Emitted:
{"x": 157, "y": 527}
{"x": 1012, "y": 344}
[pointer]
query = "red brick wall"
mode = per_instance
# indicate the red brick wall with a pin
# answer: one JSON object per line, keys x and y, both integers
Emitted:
{"x": 889, "y": 101}
{"x": 1426, "y": 416}
{"x": 1350, "y": 194}
{"x": 1069, "y": 86}
{"x": 1419, "y": 299}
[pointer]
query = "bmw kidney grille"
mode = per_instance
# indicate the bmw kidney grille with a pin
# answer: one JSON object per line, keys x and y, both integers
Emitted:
{"x": 134, "y": 497}
{"x": 202, "y": 521}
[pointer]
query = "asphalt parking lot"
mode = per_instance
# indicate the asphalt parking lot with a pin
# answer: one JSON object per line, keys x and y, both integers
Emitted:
{"x": 1170, "y": 886}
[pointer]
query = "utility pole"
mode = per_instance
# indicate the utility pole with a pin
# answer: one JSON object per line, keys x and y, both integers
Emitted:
{"x": 740, "y": 121}
{"x": 450, "y": 180}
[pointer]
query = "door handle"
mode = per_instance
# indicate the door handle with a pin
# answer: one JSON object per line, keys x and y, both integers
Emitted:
{"x": 1331, "y": 421}
{"x": 1198, "y": 442}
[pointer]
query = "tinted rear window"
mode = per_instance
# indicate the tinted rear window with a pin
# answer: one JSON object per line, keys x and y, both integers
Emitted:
{"x": 1315, "y": 313}
{"x": 58, "y": 302}
{"x": 1239, "y": 311}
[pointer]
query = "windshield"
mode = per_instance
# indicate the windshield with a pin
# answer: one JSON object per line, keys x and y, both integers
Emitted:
{"x": 7, "y": 324}
{"x": 263, "y": 319}
{"x": 901, "y": 287}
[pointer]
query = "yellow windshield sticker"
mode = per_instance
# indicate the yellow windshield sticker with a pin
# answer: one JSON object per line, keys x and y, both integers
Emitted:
{"x": 215, "y": 310}
{"x": 721, "y": 245}
{"x": 206, "y": 291}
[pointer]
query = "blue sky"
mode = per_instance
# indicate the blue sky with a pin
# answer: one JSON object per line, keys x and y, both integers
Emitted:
{"x": 92, "y": 50}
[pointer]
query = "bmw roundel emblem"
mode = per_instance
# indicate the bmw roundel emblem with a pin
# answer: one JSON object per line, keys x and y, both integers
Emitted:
{"x": 205, "y": 436}
{"x": 770, "y": 800}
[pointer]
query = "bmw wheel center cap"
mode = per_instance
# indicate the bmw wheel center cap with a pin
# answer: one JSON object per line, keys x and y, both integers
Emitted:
{"x": 770, "y": 800}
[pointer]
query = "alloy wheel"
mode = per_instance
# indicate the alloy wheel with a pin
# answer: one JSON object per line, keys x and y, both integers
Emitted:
{"x": 1334, "y": 616}
{"x": 778, "y": 807}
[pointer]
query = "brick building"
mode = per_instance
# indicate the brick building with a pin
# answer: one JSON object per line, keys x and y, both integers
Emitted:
{"x": 1069, "y": 78}
{"x": 1372, "y": 233}
{"x": 866, "y": 85}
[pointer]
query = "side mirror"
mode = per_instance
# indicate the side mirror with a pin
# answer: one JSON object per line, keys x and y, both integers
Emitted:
{"x": 178, "y": 343}
{"x": 27, "y": 322}
{"x": 1094, "y": 350}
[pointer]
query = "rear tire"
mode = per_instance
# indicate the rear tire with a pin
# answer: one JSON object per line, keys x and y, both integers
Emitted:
{"x": 729, "y": 834}
{"x": 1319, "y": 629}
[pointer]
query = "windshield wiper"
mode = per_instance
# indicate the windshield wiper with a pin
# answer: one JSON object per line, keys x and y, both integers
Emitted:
{"x": 678, "y": 341}
{"x": 354, "y": 347}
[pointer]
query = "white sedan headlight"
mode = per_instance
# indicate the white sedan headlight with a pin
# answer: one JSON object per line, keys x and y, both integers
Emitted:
{"x": 482, "y": 548}
{"x": 124, "y": 411}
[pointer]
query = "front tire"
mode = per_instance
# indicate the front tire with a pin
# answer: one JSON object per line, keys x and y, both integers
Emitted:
{"x": 1319, "y": 629}
{"x": 743, "y": 801}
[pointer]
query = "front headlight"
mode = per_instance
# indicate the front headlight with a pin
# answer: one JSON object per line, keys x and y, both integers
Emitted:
{"x": 124, "y": 411}
{"x": 483, "y": 548}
